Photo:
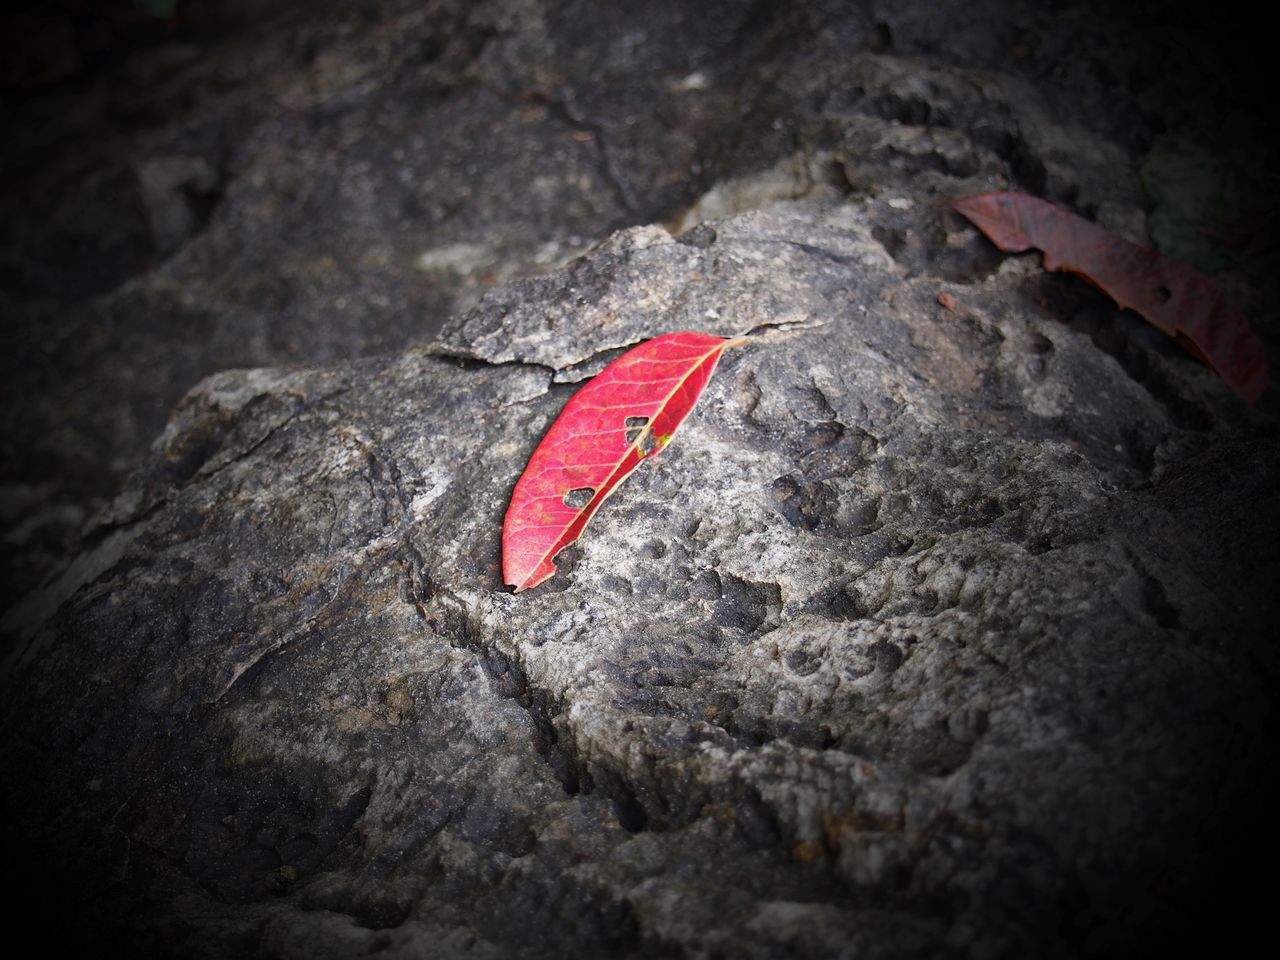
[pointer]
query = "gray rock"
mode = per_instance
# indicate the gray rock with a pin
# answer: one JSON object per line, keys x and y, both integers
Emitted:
{"x": 334, "y": 184}
{"x": 938, "y": 631}
{"x": 907, "y": 645}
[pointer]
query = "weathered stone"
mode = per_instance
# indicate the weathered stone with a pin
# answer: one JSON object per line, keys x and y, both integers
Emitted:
{"x": 938, "y": 630}
{"x": 336, "y": 183}
{"x": 903, "y": 645}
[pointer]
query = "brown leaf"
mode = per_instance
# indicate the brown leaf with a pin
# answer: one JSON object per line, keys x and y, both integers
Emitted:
{"x": 1171, "y": 294}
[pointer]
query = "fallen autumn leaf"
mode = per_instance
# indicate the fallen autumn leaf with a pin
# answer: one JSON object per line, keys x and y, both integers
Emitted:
{"x": 1172, "y": 295}
{"x": 630, "y": 411}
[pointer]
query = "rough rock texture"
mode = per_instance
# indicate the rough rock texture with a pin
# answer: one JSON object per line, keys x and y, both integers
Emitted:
{"x": 334, "y": 184}
{"x": 340, "y": 179}
{"x": 935, "y": 631}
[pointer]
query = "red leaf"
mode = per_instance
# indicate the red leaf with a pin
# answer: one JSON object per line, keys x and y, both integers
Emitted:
{"x": 630, "y": 411}
{"x": 1172, "y": 295}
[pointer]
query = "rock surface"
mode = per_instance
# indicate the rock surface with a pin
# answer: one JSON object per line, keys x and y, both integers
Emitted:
{"x": 937, "y": 631}
{"x": 338, "y": 181}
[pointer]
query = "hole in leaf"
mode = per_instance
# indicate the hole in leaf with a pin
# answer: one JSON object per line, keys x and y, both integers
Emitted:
{"x": 649, "y": 443}
{"x": 579, "y": 497}
{"x": 1164, "y": 293}
{"x": 635, "y": 425}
